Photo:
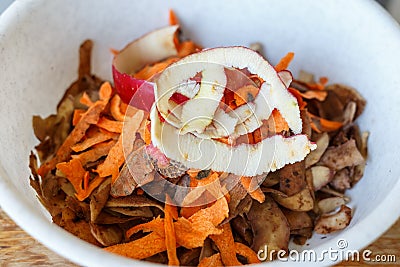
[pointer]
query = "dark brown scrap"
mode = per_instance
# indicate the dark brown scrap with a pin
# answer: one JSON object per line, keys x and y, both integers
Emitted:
{"x": 269, "y": 225}
{"x": 342, "y": 156}
{"x": 292, "y": 178}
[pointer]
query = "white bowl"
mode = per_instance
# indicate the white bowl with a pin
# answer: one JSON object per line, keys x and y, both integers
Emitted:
{"x": 352, "y": 42}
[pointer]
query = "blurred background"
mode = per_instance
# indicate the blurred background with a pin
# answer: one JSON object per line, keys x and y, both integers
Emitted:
{"x": 393, "y": 6}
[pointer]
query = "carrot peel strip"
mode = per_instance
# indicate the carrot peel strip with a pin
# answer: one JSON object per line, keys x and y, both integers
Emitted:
{"x": 141, "y": 248}
{"x": 170, "y": 238}
{"x": 283, "y": 64}
{"x": 254, "y": 191}
{"x": 226, "y": 245}
{"x": 246, "y": 252}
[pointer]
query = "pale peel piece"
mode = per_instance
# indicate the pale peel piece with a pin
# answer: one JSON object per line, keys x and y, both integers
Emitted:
{"x": 329, "y": 223}
{"x": 273, "y": 93}
{"x": 243, "y": 112}
{"x": 223, "y": 124}
{"x": 151, "y": 48}
{"x": 189, "y": 89}
{"x": 286, "y": 77}
{"x": 198, "y": 112}
{"x": 248, "y": 160}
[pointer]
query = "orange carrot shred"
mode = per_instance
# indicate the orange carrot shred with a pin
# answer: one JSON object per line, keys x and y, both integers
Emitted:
{"x": 212, "y": 177}
{"x": 186, "y": 212}
{"x": 170, "y": 238}
{"x": 96, "y": 152}
{"x": 114, "y": 51}
{"x": 283, "y": 64}
{"x": 74, "y": 172}
{"x": 110, "y": 125}
{"x": 115, "y": 108}
{"x": 173, "y": 19}
{"x": 85, "y": 193}
{"x": 150, "y": 70}
{"x": 212, "y": 261}
{"x": 323, "y": 125}
{"x": 280, "y": 122}
{"x": 141, "y": 248}
{"x": 105, "y": 91}
{"x": 186, "y": 48}
{"x": 246, "y": 252}
{"x": 156, "y": 225}
{"x": 85, "y": 100}
{"x": 79, "y": 178}
{"x": 323, "y": 80}
{"x": 97, "y": 138}
{"x": 77, "y": 116}
{"x": 139, "y": 191}
{"x": 116, "y": 156}
{"x": 315, "y": 94}
{"x": 252, "y": 188}
{"x": 226, "y": 246}
{"x": 299, "y": 97}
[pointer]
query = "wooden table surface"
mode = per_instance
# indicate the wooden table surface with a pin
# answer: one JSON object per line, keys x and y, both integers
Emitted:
{"x": 17, "y": 248}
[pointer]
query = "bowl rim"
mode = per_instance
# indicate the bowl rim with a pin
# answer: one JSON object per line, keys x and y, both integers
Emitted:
{"x": 19, "y": 209}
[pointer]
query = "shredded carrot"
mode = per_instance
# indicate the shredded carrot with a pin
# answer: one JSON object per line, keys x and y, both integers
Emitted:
{"x": 252, "y": 188}
{"x": 283, "y": 64}
{"x": 124, "y": 107}
{"x": 114, "y": 51}
{"x": 315, "y": 94}
{"x": 173, "y": 210}
{"x": 89, "y": 187}
{"x": 110, "y": 125}
{"x": 91, "y": 116}
{"x": 116, "y": 156}
{"x": 193, "y": 172}
{"x": 79, "y": 178}
{"x": 280, "y": 123}
{"x": 212, "y": 261}
{"x": 212, "y": 177}
{"x": 97, "y": 138}
{"x": 96, "y": 152}
{"x": 186, "y": 48}
{"x": 141, "y": 248}
{"x": 186, "y": 212}
{"x": 85, "y": 100}
{"x": 246, "y": 252}
{"x": 139, "y": 192}
{"x": 226, "y": 246}
{"x": 147, "y": 135}
{"x": 150, "y": 70}
{"x": 74, "y": 172}
{"x": 191, "y": 232}
{"x": 323, "y": 125}
{"x": 77, "y": 116}
{"x": 115, "y": 108}
{"x": 170, "y": 238}
{"x": 323, "y": 80}
{"x": 173, "y": 19}
{"x": 156, "y": 225}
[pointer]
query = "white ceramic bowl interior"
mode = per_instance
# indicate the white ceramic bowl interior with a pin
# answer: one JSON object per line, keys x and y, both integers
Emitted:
{"x": 351, "y": 42}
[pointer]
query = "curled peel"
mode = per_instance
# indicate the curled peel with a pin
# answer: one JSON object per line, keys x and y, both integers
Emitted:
{"x": 185, "y": 132}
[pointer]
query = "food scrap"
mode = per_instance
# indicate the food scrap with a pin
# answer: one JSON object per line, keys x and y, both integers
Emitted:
{"x": 198, "y": 157}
